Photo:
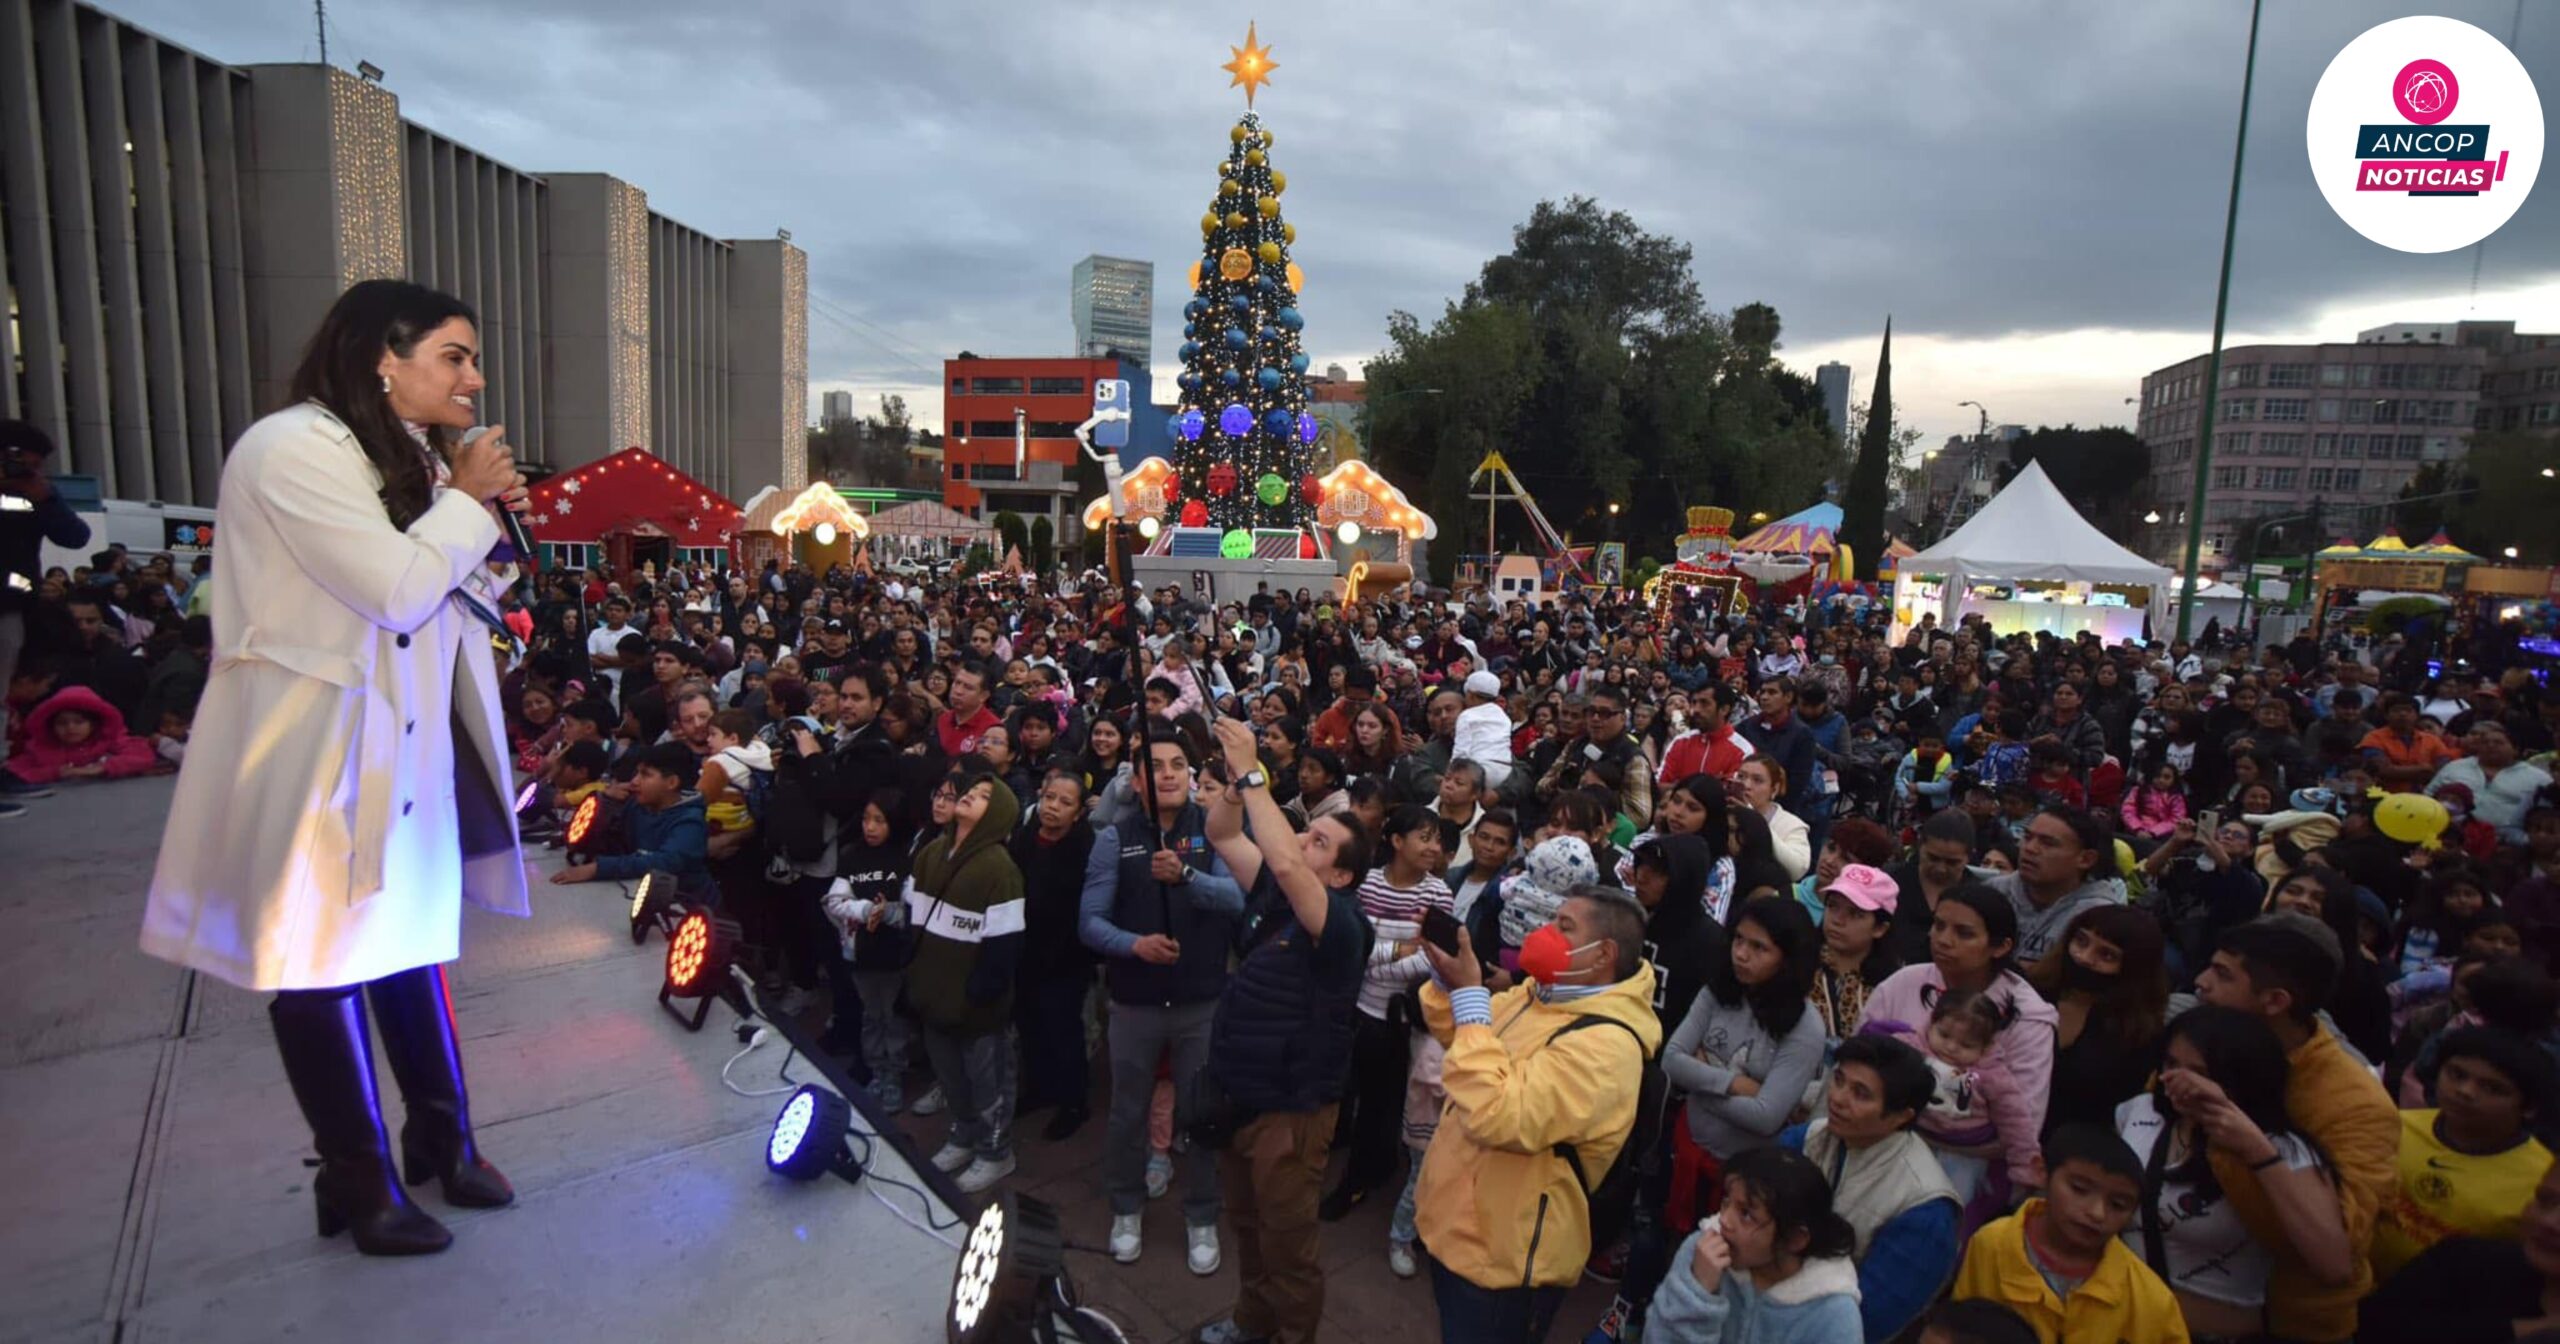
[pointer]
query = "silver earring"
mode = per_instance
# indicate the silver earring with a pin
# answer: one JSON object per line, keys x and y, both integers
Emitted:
{"x": 386, "y": 384}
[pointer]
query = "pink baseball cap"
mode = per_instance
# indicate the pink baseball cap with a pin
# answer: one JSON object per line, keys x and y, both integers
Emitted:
{"x": 1867, "y": 888}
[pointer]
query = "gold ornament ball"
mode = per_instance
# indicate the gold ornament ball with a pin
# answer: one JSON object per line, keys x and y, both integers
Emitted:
{"x": 1269, "y": 206}
{"x": 1297, "y": 279}
{"x": 1237, "y": 134}
{"x": 1195, "y": 277}
{"x": 1234, "y": 264}
{"x": 1208, "y": 225}
{"x": 1226, "y": 170}
{"x": 1229, "y": 187}
{"x": 1265, "y": 141}
{"x": 1253, "y": 157}
{"x": 1268, "y": 252}
{"x": 1288, "y": 233}
{"x": 1279, "y": 182}
{"x": 1235, "y": 219}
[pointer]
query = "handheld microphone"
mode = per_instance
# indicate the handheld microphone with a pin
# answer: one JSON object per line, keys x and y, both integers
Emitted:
{"x": 508, "y": 519}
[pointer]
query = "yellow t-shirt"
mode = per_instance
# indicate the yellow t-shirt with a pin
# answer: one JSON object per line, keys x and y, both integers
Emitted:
{"x": 2442, "y": 1193}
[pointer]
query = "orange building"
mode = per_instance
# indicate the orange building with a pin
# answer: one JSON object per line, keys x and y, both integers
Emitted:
{"x": 981, "y": 476}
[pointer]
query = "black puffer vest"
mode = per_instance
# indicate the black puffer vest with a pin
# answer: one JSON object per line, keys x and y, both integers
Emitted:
{"x": 1280, "y": 1042}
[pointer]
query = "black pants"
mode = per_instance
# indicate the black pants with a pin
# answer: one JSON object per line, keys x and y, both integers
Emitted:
{"x": 1381, "y": 1054}
{"x": 1048, "y": 1015}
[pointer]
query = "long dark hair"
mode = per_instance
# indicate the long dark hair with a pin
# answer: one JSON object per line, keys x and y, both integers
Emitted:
{"x": 1778, "y": 1002}
{"x": 2244, "y": 1057}
{"x": 2133, "y": 1005}
{"x": 341, "y": 369}
{"x": 1798, "y": 1197}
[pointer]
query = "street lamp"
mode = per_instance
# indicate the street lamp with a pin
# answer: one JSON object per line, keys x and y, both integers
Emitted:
{"x": 2152, "y": 517}
{"x": 2510, "y": 552}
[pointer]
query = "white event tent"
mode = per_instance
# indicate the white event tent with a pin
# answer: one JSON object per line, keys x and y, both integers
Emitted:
{"x": 2028, "y": 537}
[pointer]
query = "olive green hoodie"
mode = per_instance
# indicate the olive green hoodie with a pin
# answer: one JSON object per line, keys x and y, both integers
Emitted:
{"x": 967, "y": 910}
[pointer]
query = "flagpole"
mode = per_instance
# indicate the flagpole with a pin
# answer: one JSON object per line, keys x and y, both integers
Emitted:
{"x": 2213, "y": 362}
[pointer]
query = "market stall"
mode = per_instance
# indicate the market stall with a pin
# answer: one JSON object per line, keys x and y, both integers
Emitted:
{"x": 629, "y": 510}
{"x": 2028, "y": 561}
{"x": 926, "y": 530}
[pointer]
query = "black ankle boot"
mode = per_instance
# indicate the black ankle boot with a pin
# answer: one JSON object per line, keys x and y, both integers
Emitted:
{"x": 435, "y": 1140}
{"x": 329, "y": 1060}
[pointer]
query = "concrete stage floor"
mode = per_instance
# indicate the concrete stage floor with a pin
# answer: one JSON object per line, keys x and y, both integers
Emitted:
{"x": 160, "y": 1193}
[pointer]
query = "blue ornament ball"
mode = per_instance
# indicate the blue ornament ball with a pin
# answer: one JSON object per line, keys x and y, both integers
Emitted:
{"x": 1277, "y": 424}
{"x": 1273, "y": 335}
{"x": 1230, "y": 378}
{"x": 1235, "y": 338}
{"x": 1236, "y": 418}
{"x": 1265, "y": 284}
{"x": 1190, "y": 351}
{"x": 1190, "y": 424}
{"x": 1289, "y": 318}
{"x": 1190, "y": 328}
{"x": 1307, "y": 426}
{"x": 1269, "y": 378}
{"x": 1194, "y": 308}
{"x": 1298, "y": 362}
{"x": 1239, "y": 302}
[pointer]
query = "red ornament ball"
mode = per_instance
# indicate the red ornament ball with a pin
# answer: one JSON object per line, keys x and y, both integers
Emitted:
{"x": 1312, "y": 488}
{"x": 1222, "y": 479}
{"x": 1306, "y": 545}
{"x": 1195, "y": 514}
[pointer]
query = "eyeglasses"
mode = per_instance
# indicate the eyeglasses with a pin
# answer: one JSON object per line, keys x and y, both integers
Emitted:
{"x": 1603, "y": 712}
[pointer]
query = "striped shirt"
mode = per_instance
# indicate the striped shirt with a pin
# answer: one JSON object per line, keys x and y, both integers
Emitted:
{"x": 1395, "y": 915}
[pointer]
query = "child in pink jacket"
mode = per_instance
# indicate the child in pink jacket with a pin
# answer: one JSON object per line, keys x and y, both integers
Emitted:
{"x": 75, "y": 735}
{"x": 2155, "y": 806}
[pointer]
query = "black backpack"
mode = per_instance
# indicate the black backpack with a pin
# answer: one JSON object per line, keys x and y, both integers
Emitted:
{"x": 1612, "y": 1202}
{"x": 793, "y": 824}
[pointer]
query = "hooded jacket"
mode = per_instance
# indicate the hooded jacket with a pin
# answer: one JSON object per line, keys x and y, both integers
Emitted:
{"x": 1496, "y": 1203}
{"x": 673, "y": 839}
{"x": 1818, "y": 1304}
{"x": 43, "y": 760}
{"x": 1712, "y": 748}
{"x": 967, "y": 909}
{"x": 1680, "y": 941}
{"x": 1053, "y": 875}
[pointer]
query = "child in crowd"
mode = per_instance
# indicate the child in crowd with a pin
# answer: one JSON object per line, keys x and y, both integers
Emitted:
{"x": 2434, "y": 928}
{"x": 74, "y": 734}
{"x": 577, "y": 774}
{"x": 1530, "y": 898}
{"x": 170, "y": 743}
{"x": 2464, "y": 832}
{"x": 2061, "y": 1261}
{"x": 1483, "y": 734}
{"x": 1973, "y": 1116}
{"x": 664, "y": 823}
{"x": 2050, "y": 776}
{"x": 868, "y": 905}
{"x": 1922, "y": 782}
{"x": 2156, "y": 805}
{"x": 2017, "y": 807}
{"x": 739, "y": 770}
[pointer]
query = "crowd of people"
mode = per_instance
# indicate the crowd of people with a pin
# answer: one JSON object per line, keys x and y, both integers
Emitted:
{"x": 1803, "y": 983}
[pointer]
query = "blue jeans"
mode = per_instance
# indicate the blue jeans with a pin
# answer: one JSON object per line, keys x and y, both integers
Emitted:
{"x": 1473, "y": 1315}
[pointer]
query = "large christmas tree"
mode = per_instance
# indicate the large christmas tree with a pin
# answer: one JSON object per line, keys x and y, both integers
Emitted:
{"x": 1243, "y": 438}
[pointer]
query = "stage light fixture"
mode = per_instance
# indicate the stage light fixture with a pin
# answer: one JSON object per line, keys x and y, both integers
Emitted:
{"x": 534, "y": 820}
{"x": 595, "y": 828}
{"x": 1012, "y": 1254}
{"x": 809, "y": 1137}
{"x": 698, "y": 952}
{"x": 654, "y": 900}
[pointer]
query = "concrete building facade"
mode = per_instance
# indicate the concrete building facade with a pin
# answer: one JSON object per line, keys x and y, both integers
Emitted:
{"x": 1113, "y": 305}
{"x": 173, "y": 228}
{"x": 2345, "y": 423}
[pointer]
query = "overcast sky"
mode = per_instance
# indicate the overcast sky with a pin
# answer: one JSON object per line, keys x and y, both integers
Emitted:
{"x": 2033, "y": 190}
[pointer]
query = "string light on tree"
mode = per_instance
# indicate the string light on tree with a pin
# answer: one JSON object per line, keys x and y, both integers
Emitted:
{"x": 1241, "y": 454}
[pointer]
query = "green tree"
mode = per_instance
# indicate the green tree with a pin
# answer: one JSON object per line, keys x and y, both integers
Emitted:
{"x": 1586, "y": 355}
{"x": 1243, "y": 373}
{"x": 2514, "y": 502}
{"x": 1011, "y": 536}
{"x": 1044, "y": 545}
{"x": 2419, "y": 517}
{"x": 2104, "y": 472}
{"x": 1862, "y": 510}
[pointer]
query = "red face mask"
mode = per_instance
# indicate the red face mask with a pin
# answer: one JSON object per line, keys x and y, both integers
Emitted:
{"x": 1546, "y": 957}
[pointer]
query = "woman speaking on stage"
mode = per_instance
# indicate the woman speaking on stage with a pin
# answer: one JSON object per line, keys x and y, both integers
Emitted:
{"x": 347, "y": 787}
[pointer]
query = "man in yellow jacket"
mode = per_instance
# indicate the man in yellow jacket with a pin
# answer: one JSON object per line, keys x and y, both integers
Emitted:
{"x": 1556, "y": 1062}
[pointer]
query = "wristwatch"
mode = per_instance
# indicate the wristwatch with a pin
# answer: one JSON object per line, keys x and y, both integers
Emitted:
{"x": 1252, "y": 779}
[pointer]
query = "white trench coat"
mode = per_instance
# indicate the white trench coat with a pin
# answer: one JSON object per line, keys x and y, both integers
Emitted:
{"x": 346, "y": 785}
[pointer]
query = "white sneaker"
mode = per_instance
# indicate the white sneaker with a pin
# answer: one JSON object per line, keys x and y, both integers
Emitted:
{"x": 1400, "y": 1259}
{"x": 1159, "y": 1174}
{"x": 1204, "y": 1249}
{"x": 983, "y": 1173}
{"x": 1126, "y": 1239}
{"x": 931, "y": 1103}
{"x": 954, "y": 1156}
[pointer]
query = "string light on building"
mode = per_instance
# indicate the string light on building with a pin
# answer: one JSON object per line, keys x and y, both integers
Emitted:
{"x": 366, "y": 180}
{"x": 795, "y": 366}
{"x": 627, "y": 302}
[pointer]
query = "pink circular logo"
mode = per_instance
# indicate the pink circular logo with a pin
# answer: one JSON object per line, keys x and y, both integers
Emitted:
{"x": 2425, "y": 91}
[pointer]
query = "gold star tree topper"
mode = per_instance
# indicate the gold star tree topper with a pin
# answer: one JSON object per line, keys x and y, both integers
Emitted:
{"x": 1251, "y": 67}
